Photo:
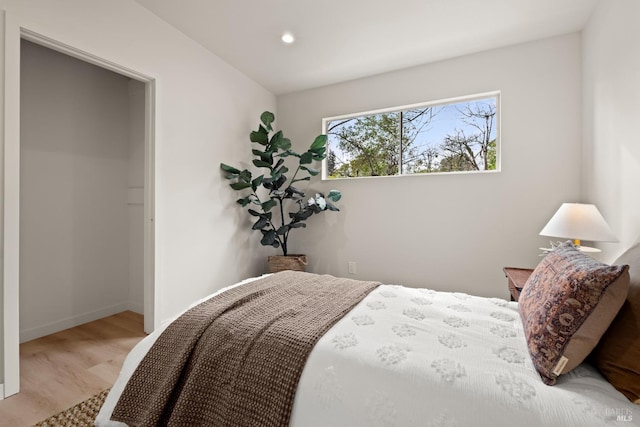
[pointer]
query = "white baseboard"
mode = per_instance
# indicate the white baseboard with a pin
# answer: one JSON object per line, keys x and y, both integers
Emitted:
{"x": 135, "y": 307}
{"x": 70, "y": 322}
{"x": 2, "y": 391}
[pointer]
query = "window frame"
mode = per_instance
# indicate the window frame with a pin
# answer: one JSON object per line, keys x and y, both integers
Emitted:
{"x": 440, "y": 102}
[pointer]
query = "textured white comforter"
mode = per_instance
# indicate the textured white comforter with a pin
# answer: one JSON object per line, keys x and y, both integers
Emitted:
{"x": 417, "y": 357}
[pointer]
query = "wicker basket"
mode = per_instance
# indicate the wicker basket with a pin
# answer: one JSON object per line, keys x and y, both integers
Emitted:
{"x": 287, "y": 262}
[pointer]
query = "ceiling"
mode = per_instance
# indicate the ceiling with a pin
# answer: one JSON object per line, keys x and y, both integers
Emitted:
{"x": 339, "y": 40}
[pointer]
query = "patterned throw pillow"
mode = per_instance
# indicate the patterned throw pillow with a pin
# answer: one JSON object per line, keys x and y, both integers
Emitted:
{"x": 566, "y": 305}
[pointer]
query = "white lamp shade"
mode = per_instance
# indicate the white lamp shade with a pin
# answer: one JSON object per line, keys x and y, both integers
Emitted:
{"x": 579, "y": 221}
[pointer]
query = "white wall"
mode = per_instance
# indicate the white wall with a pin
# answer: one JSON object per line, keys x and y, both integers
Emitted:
{"x": 74, "y": 220}
{"x": 204, "y": 110}
{"x": 135, "y": 199}
{"x": 611, "y": 94}
{"x": 452, "y": 232}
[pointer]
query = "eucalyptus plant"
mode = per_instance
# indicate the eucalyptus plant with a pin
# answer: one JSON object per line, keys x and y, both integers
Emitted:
{"x": 272, "y": 190}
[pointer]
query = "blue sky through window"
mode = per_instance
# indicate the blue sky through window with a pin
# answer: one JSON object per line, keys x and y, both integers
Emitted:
{"x": 435, "y": 139}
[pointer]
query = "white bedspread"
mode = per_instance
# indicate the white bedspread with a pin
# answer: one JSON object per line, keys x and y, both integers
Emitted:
{"x": 416, "y": 357}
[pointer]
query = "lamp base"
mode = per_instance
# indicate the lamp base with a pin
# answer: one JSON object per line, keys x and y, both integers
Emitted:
{"x": 588, "y": 249}
{"x": 581, "y": 248}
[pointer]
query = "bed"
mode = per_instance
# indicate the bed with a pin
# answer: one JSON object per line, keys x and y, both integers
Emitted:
{"x": 418, "y": 357}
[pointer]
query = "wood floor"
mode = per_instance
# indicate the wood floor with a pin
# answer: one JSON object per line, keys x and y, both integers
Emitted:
{"x": 60, "y": 370}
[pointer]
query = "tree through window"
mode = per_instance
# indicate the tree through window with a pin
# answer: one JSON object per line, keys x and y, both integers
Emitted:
{"x": 435, "y": 137}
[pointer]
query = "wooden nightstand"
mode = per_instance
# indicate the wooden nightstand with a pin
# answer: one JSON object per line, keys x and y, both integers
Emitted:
{"x": 517, "y": 278}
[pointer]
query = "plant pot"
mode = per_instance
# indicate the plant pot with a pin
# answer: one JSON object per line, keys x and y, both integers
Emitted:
{"x": 287, "y": 262}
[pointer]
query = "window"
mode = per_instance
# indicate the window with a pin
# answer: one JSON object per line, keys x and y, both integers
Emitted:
{"x": 444, "y": 136}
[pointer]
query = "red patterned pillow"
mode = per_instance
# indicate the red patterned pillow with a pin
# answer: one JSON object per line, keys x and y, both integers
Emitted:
{"x": 566, "y": 305}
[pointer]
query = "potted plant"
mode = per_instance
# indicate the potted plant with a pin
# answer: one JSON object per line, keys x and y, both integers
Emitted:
{"x": 271, "y": 197}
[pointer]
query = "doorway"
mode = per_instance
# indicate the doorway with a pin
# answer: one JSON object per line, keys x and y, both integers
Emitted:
{"x": 81, "y": 186}
{"x": 81, "y": 247}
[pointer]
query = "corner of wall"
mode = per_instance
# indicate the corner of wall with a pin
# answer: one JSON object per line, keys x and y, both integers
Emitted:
{"x": 610, "y": 113}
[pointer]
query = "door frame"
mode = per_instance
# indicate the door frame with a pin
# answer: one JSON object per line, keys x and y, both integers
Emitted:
{"x": 14, "y": 32}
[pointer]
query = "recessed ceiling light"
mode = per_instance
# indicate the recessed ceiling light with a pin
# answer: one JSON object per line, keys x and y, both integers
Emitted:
{"x": 288, "y": 38}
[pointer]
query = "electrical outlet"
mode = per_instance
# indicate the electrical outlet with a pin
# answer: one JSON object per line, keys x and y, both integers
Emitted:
{"x": 352, "y": 267}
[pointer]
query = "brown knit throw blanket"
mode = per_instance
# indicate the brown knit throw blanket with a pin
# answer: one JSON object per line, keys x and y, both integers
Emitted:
{"x": 236, "y": 359}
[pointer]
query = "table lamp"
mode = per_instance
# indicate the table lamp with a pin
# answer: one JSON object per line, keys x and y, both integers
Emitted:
{"x": 579, "y": 221}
